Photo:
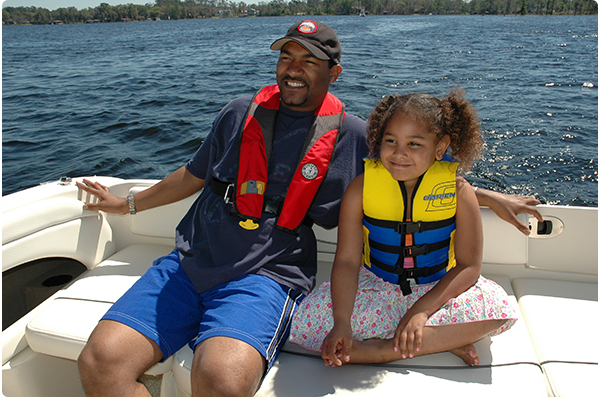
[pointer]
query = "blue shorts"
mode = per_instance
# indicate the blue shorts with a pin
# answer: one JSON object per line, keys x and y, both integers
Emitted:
{"x": 164, "y": 306}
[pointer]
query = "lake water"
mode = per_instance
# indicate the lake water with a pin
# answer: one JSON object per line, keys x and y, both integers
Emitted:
{"x": 137, "y": 99}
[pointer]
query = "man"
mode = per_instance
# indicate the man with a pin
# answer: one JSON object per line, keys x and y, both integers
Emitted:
{"x": 245, "y": 252}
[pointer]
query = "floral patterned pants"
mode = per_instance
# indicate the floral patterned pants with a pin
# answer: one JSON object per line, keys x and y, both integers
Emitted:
{"x": 380, "y": 305}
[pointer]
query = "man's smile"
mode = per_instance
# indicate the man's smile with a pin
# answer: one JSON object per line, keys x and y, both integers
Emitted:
{"x": 295, "y": 84}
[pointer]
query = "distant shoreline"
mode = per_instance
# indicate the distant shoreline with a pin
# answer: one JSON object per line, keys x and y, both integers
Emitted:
{"x": 91, "y": 22}
{"x": 190, "y": 9}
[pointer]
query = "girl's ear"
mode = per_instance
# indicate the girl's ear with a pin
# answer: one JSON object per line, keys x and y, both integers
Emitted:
{"x": 442, "y": 147}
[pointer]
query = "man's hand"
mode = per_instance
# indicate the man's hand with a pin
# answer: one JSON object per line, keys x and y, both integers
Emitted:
{"x": 107, "y": 202}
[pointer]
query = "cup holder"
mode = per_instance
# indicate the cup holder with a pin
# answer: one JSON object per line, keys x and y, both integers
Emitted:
{"x": 57, "y": 280}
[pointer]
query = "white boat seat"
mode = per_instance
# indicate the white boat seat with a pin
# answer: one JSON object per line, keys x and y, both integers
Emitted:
{"x": 64, "y": 326}
{"x": 561, "y": 317}
{"x": 508, "y": 359}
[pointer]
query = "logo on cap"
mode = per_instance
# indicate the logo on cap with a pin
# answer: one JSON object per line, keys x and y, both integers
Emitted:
{"x": 307, "y": 27}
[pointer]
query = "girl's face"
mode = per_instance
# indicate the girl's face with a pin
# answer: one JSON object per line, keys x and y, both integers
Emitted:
{"x": 408, "y": 149}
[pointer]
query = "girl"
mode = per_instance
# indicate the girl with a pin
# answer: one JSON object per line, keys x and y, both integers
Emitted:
{"x": 406, "y": 275}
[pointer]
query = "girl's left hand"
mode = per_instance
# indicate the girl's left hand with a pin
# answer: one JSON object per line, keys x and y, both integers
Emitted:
{"x": 408, "y": 337}
{"x": 337, "y": 345}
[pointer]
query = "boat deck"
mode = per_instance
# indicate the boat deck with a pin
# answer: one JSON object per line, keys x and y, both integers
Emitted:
{"x": 550, "y": 351}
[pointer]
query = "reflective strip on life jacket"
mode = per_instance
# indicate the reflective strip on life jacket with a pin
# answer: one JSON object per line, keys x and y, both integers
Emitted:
{"x": 255, "y": 149}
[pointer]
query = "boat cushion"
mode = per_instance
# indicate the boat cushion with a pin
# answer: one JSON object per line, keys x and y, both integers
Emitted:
{"x": 570, "y": 251}
{"x": 145, "y": 223}
{"x": 64, "y": 326}
{"x": 502, "y": 244}
{"x": 507, "y": 360}
{"x": 55, "y": 228}
{"x": 561, "y": 317}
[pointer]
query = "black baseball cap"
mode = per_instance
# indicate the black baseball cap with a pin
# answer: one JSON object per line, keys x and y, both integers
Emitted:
{"x": 319, "y": 39}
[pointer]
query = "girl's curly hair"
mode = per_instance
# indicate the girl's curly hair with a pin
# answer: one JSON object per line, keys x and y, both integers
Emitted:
{"x": 453, "y": 115}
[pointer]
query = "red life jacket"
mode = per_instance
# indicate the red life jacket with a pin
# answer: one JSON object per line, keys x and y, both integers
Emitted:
{"x": 255, "y": 149}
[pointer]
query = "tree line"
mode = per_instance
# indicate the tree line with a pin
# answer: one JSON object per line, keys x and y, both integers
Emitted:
{"x": 192, "y": 9}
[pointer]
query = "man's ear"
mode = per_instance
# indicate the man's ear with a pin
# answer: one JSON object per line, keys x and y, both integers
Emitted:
{"x": 334, "y": 73}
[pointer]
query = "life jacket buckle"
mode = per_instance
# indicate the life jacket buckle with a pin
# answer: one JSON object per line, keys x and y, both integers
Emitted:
{"x": 272, "y": 206}
{"x": 408, "y": 227}
{"x": 415, "y": 250}
{"x": 229, "y": 194}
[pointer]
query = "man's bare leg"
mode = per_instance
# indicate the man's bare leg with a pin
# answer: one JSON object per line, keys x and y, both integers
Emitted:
{"x": 457, "y": 339}
{"x": 115, "y": 357}
{"x": 226, "y": 366}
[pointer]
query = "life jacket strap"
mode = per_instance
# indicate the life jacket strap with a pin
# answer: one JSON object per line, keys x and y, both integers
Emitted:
{"x": 226, "y": 190}
{"x": 222, "y": 189}
{"x": 416, "y": 272}
{"x": 405, "y": 274}
{"x": 416, "y": 250}
{"x": 410, "y": 227}
{"x": 413, "y": 250}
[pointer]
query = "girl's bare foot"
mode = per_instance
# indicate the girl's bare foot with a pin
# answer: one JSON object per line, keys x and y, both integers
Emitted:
{"x": 468, "y": 354}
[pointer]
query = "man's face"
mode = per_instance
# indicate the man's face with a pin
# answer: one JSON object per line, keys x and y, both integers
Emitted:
{"x": 302, "y": 78}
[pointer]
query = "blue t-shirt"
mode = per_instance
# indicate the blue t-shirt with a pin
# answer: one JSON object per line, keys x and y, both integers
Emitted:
{"x": 213, "y": 247}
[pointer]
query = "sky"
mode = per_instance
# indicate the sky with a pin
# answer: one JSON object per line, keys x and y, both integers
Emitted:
{"x": 79, "y": 4}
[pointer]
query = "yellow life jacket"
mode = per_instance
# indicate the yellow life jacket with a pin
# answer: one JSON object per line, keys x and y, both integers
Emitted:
{"x": 386, "y": 224}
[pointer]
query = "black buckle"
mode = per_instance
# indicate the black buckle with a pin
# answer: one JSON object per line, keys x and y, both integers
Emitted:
{"x": 408, "y": 227}
{"x": 272, "y": 206}
{"x": 415, "y": 250}
{"x": 408, "y": 273}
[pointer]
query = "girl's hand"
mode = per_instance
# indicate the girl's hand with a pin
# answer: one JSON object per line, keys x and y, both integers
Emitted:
{"x": 337, "y": 345}
{"x": 508, "y": 207}
{"x": 408, "y": 337}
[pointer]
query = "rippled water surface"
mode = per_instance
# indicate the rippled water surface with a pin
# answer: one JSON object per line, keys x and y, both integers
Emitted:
{"x": 137, "y": 99}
